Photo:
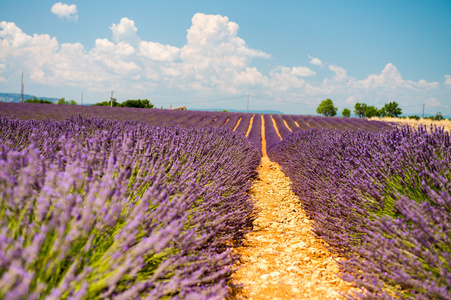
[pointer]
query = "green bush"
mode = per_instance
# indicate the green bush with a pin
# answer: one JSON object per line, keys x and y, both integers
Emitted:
{"x": 36, "y": 100}
{"x": 129, "y": 103}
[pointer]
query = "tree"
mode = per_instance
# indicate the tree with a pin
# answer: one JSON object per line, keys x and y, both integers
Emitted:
{"x": 364, "y": 111}
{"x": 371, "y": 111}
{"x": 65, "y": 102}
{"x": 138, "y": 103}
{"x": 438, "y": 116}
{"x": 62, "y": 101}
{"x": 129, "y": 103}
{"x": 391, "y": 109}
{"x": 108, "y": 103}
{"x": 36, "y": 100}
{"x": 326, "y": 107}
{"x": 346, "y": 113}
{"x": 359, "y": 110}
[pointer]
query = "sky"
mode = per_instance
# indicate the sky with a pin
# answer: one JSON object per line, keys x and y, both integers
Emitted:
{"x": 282, "y": 55}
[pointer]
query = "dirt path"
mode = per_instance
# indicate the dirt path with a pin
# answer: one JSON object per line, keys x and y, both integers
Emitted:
{"x": 281, "y": 259}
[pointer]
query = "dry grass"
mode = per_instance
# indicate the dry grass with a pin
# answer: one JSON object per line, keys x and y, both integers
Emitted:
{"x": 414, "y": 123}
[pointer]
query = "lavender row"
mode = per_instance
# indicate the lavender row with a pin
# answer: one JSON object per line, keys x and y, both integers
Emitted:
{"x": 233, "y": 120}
{"x": 154, "y": 117}
{"x": 282, "y": 129}
{"x": 381, "y": 200}
{"x": 307, "y": 122}
{"x": 96, "y": 208}
{"x": 291, "y": 123}
{"x": 302, "y": 124}
{"x": 220, "y": 121}
{"x": 244, "y": 123}
{"x": 255, "y": 134}
{"x": 159, "y": 117}
{"x": 286, "y": 125}
{"x": 271, "y": 136}
{"x": 207, "y": 120}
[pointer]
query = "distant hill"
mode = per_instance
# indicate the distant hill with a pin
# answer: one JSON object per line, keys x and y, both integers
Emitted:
{"x": 13, "y": 97}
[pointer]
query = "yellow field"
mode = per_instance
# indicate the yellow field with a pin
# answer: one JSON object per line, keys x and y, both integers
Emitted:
{"x": 415, "y": 123}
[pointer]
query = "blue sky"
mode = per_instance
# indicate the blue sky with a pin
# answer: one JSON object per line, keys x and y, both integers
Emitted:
{"x": 288, "y": 55}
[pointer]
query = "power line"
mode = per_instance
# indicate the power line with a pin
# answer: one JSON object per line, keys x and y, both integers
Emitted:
{"x": 449, "y": 108}
{"x": 430, "y": 106}
{"x": 275, "y": 100}
{"x": 284, "y": 101}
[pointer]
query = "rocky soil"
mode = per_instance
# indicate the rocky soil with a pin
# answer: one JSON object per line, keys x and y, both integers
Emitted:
{"x": 281, "y": 258}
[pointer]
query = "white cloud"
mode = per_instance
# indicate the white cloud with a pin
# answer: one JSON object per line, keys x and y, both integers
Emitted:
{"x": 214, "y": 61}
{"x": 2, "y": 70}
{"x": 315, "y": 61}
{"x": 250, "y": 77}
{"x": 302, "y": 71}
{"x": 65, "y": 11}
{"x": 213, "y": 41}
{"x": 125, "y": 31}
{"x": 158, "y": 52}
{"x": 214, "y": 54}
{"x": 432, "y": 101}
{"x": 13, "y": 35}
{"x": 340, "y": 73}
{"x": 284, "y": 79}
{"x": 390, "y": 78}
{"x": 376, "y": 89}
{"x": 350, "y": 100}
{"x": 448, "y": 81}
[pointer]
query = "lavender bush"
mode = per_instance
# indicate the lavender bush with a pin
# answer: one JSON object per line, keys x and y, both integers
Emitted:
{"x": 301, "y": 122}
{"x": 381, "y": 200}
{"x": 92, "y": 208}
{"x": 255, "y": 134}
{"x": 283, "y": 130}
{"x": 271, "y": 136}
{"x": 208, "y": 118}
{"x": 290, "y": 122}
{"x": 233, "y": 120}
{"x": 244, "y": 123}
{"x": 220, "y": 120}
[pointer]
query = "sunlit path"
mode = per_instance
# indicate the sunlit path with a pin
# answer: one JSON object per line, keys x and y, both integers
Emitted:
{"x": 281, "y": 259}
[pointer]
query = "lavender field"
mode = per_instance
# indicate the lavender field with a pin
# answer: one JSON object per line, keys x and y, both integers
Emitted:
{"x": 94, "y": 208}
{"x": 123, "y": 203}
{"x": 383, "y": 201}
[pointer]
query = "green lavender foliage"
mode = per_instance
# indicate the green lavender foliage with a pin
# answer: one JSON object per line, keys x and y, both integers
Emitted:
{"x": 92, "y": 208}
{"x": 383, "y": 200}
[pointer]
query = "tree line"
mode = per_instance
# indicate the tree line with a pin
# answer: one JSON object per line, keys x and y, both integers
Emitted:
{"x": 129, "y": 103}
{"x": 362, "y": 110}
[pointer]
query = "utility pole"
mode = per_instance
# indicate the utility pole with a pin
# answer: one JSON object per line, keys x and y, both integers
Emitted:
{"x": 21, "y": 89}
{"x": 422, "y": 116}
{"x": 112, "y": 98}
{"x": 247, "y": 110}
{"x": 82, "y": 99}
